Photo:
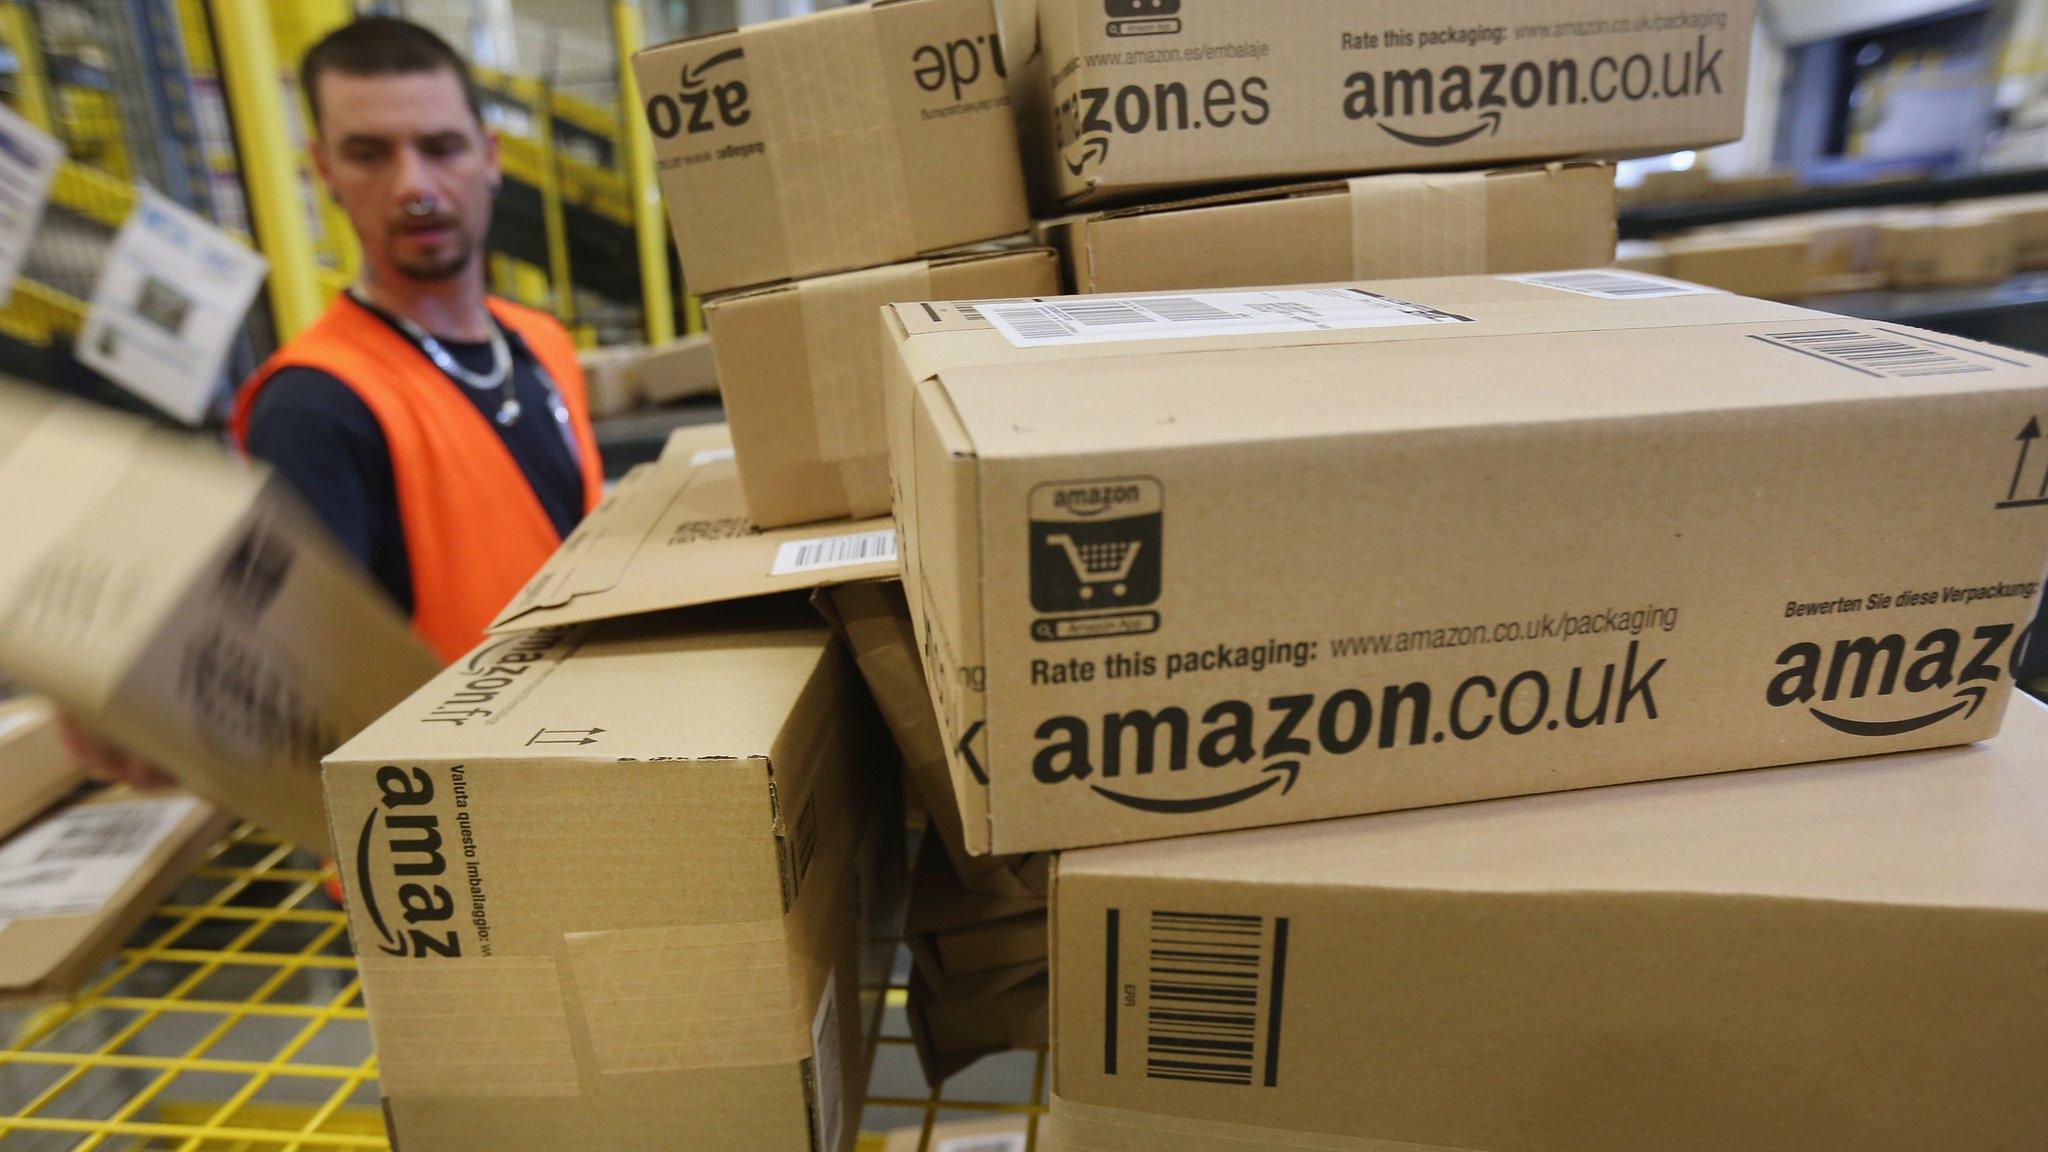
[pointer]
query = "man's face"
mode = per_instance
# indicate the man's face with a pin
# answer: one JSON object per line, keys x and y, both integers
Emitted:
{"x": 389, "y": 141}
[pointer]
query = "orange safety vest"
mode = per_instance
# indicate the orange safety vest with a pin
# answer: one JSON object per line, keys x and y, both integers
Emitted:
{"x": 474, "y": 530}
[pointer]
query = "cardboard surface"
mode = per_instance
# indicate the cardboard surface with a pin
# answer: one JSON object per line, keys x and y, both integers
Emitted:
{"x": 801, "y": 369}
{"x": 44, "y": 958}
{"x": 35, "y": 769}
{"x": 874, "y": 620}
{"x": 845, "y": 139}
{"x": 1849, "y": 950}
{"x": 2028, "y": 216}
{"x": 956, "y": 934}
{"x": 1947, "y": 249}
{"x": 674, "y": 534}
{"x": 1582, "y": 540}
{"x": 1372, "y": 228}
{"x": 1771, "y": 265}
{"x": 623, "y": 378}
{"x": 603, "y": 883}
{"x": 951, "y": 1033}
{"x": 1152, "y": 95}
{"x": 184, "y": 606}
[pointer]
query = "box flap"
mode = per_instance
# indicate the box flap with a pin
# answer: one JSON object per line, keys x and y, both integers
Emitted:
{"x": 674, "y": 534}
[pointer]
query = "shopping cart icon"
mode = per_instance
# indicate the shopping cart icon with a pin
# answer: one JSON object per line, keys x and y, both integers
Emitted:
{"x": 1105, "y": 563}
{"x": 1095, "y": 545}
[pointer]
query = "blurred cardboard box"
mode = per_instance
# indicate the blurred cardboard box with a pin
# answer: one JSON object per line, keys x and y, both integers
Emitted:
{"x": 629, "y": 854}
{"x": 624, "y": 377}
{"x": 183, "y": 605}
{"x": 950, "y": 1033}
{"x": 1947, "y": 249}
{"x": 77, "y": 883}
{"x": 2029, "y": 218}
{"x": 36, "y": 770}
{"x": 1669, "y": 186}
{"x": 1646, "y": 256}
{"x": 1851, "y": 951}
{"x": 1127, "y": 621}
{"x": 1427, "y": 224}
{"x": 874, "y": 620}
{"x": 851, "y": 138}
{"x": 955, "y": 933}
{"x": 674, "y": 534}
{"x": 1755, "y": 186}
{"x": 801, "y": 368}
{"x": 1768, "y": 265}
{"x": 1174, "y": 94}
{"x": 1005, "y": 1134}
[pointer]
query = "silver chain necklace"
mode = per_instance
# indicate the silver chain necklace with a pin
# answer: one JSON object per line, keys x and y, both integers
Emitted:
{"x": 498, "y": 379}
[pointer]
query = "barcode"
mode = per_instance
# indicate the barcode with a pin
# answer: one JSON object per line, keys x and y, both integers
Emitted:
{"x": 1185, "y": 309}
{"x": 1032, "y": 321}
{"x": 1012, "y": 1142}
{"x": 1610, "y": 285}
{"x": 1213, "y": 983}
{"x": 875, "y": 547}
{"x": 969, "y": 311}
{"x": 94, "y": 835}
{"x": 1874, "y": 355}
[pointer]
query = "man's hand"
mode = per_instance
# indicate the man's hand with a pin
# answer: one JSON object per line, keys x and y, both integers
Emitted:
{"x": 104, "y": 762}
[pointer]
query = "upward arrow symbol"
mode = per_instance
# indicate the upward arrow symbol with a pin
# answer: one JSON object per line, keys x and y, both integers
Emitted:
{"x": 2027, "y": 436}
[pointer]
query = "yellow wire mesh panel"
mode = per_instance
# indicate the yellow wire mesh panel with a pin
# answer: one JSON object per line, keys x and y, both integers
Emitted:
{"x": 233, "y": 1022}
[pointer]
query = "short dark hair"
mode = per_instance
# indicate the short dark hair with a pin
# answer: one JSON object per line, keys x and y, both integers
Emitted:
{"x": 382, "y": 46}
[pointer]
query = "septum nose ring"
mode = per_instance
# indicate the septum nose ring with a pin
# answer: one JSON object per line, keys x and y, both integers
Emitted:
{"x": 424, "y": 206}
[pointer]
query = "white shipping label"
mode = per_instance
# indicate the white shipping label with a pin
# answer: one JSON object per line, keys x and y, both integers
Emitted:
{"x": 797, "y": 556}
{"x": 1112, "y": 319}
{"x": 703, "y": 456}
{"x": 72, "y": 863}
{"x": 826, "y": 1067}
{"x": 168, "y": 305}
{"x": 1006, "y": 1142}
{"x": 1612, "y": 284}
{"x": 29, "y": 158}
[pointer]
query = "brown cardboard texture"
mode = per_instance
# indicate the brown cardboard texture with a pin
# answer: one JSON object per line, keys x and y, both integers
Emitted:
{"x": 1370, "y": 228}
{"x": 183, "y": 605}
{"x": 1849, "y": 953}
{"x": 682, "y": 369}
{"x": 873, "y": 619}
{"x": 608, "y": 380}
{"x": 1422, "y": 541}
{"x": 949, "y": 1034}
{"x": 1153, "y": 95}
{"x": 801, "y": 368}
{"x": 602, "y": 883}
{"x": 1771, "y": 265}
{"x": 36, "y": 770}
{"x": 955, "y": 933}
{"x": 859, "y": 136}
{"x": 673, "y": 534}
{"x": 77, "y": 883}
{"x": 1949, "y": 249}
{"x": 2028, "y": 215}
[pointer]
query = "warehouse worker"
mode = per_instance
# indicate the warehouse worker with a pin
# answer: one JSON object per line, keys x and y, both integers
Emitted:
{"x": 442, "y": 435}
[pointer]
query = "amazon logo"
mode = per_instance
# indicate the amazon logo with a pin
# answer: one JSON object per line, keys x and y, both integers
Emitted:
{"x": 702, "y": 101}
{"x": 1831, "y": 684}
{"x": 1087, "y": 121}
{"x": 401, "y": 839}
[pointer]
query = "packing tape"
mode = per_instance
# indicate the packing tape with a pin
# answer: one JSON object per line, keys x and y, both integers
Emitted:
{"x": 489, "y": 1026}
{"x": 702, "y": 996}
{"x": 1095, "y": 1128}
{"x": 841, "y": 188}
{"x": 844, "y": 350}
{"x": 1418, "y": 225}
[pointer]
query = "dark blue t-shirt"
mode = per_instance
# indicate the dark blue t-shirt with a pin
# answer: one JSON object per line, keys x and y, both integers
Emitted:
{"x": 327, "y": 444}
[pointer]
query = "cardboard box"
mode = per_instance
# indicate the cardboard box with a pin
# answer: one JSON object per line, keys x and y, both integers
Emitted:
{"x": 682, "y": 369}
{"x": 955, "y": 933}
{"x": 607, "y": 381}
{"x": 1153, "y": 95}
{"x": 2029, "y": 218}
{"x": 873, "y": 619}
{"x": 1838, "y": 958}
{"x": 77, "y": 883}
{"x": 1669, "y": 186}
{"x": 801, "y": 368}
{"x": 1370, "y": 228}
{"x": 674, "y": 534}
{"x": 951, "y": 1033}
{"x": 1770, "y": 265}
{"x": 1948, "y": 249}
{"x": 36, "y": 770}
{"x": 183, "y": 605}
{"x": 1755, "y": 186}
{"x": 1002, "y": 1134}
{"x": 602, "y": 881}
{"x": 854, "y": 137}
{"x": 1591, "y": 528}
